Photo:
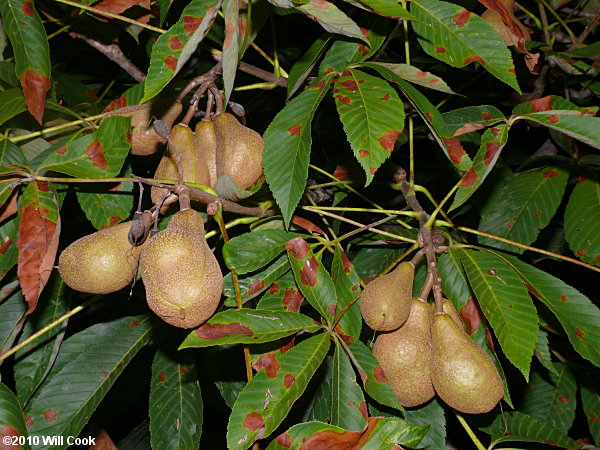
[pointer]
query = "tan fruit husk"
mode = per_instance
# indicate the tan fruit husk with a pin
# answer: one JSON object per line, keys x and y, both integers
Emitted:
{"x": 144, "y": 140}
{"x": 101, "y": 262}
{"x": 206, "y": 147}
{"x": 463, "y": 375}
{"x": 239, "y": 151}
{"x": 404, "y": 356}
{"x": 386, "y": 301}
{"x": 448, "y": 308}
{"x": 194, "y": 167}
{"x": 181, "y": 275}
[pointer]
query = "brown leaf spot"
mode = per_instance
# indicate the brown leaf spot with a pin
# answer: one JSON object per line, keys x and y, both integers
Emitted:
{"x": 5, "y": 245}
{"x": 489, "y": 340}
{"x": 471, "y": 315}
{"x": 171, "y": 62}
{"x": 379, "y": 374}
{"x": 512, "y": 70}
{"x": 579, "y": 332}
{"x": 27, "y": 8}
{"x": 440, "y": 49}
{"x": 297, "y": 247}
{"x": 581, "y": 253}
{"x": 61, "y": 150}
{"x": 372, "y": 170}
{"x": 307, "y": 225}
{"x": 558, "y": 410}
{"x": 346, "y": 73}
{"x": 542, "y": 104}
{"x": 553, "y": 118}
{"x": 469, "y": 178}
{"x": 429, "y": 116}
{"x": 191, "y": 24}
{"x": 455, "y": 150}
{"x": 284, "y": 440}
{"x": 285, "y": 347}
{"x": 28, "y": 420}
{"x": 295, "y": 130}
{"x": 35, "y": 86}
{"x": 461, "y": 18}
{"x": 182, "y": 368}
{"x": 346, "y": 440}
{"x": 388, "y": 140}
{"x": 495, "y": 131}
{"x": 491, "y": 150}
{"x": 363, "y": 50}
{"x": 553, "y": 444}
{"x": 94, "y": 152}
{"x": 256, "y": 286}
{"x": 274, "y": 289}
{"x": 363, "y": 409}
{"x": 50, "y": 415}
{"x": 175, "y": 43}
{"x": 510, "y": 223}
{"x": 288, "y": 380}
{"x": 8, "y": 435}
{"x": 253, "y": 421}
{"x": 292, "y": 299}
{"x": 486, "y": 116}
{"x": 308, "y": 273}
{"x": 133, "y": 324}
{"x": 470, "y": 59}
{"x": 420, "y": 75}
{"x": 219, "y": 330}
{"x": 331, "y": 308}
{"x": 563, "y": 298}
{"x": 350, "y": 85}
{"x": 121, "y": 102}
{"x": 537, "y": 213}
{"x": 550, "y": 174}
{"x": 269, "y": 362}
{"x": 318, "y": 86}
{"x": 162, "y": 377}
{"x": 564, "y": 399}
{"x": 363, "y": 153}
{"x": 594, "y": 417}
{"x": 103, "y": 374}
{"x": 385, "y": 97}
{"x": 344, "y": 100}
{"x": 346, "y": 262}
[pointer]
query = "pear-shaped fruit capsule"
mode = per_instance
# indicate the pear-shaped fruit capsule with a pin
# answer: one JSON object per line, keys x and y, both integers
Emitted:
{"x": 194, "y": 167}
{"x": 206, "y": 148}
{"x": 182, "y": 277}
{"x": 463, "y": 375}
{"x": 385, "y": 303}
{"x": 100, "y": 262}
{"x": 448, "y": 308}
{"x": 239, "y": 151}
{"x": 404, "y": 355}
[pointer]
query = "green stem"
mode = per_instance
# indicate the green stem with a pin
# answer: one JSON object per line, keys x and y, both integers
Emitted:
{"x": 560, "y": 21}
{"x": 48, "y": 327}
{"x": 470, "y": 432}
{"x": 56, "y": 128}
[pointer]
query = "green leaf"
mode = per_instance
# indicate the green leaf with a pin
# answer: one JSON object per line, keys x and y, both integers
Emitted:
{"x": 99, "y": 155}
{"x": 492, "y": 143}
{"x": 256, "y": 282}
{"x": 175, "y": 407}
{"x": 458, "y": 37}
{"x": 552, "y": 398}
{"x": 579, "y": 317}
{"x": 8, "y": 247}
{"x": 12, "y": 313}
{"x": 251, "y": 251}
{"x": 542, "y": 352}
{"x": 516, "y": 426}
{"x": 347, "y": 288}
{"x": 432, "y": 414}
{"x": 388, "y": 8}
{"x": 32, "y": 54}
{"x": 173, "y": 49}
{"x": 248, "y": 326}
{"x": 10, "y": 154}
{"x": 373, "y": 378}
{"x": 87, "y": 366}
{"x": 13, "y": 104}
{"x": 331, "y": 18}
{"x": 380, "y": 433}
{"x": 521, "y": 206}
{"x": 372, "y": 115}
{"x": 591, "y": 407}
{"x": 33, "y": 362}
{"x": 287, "y": 147}
{"x": 505, "y": 304}
{"x": 582, "y": 221}
{"x": 348, "y": 406}
{"x": 305, "y": 64}
{"x": 283, "y": 295}
{"x": 415, "y": 76}
{"x": 7, "y": 72}
{"x": 455, "y": 283}
{"x": 12, "y": 423}
{"x": 312, "y": 278}
{"x": 471, "y": 118}
{"x": 267, "y": 399}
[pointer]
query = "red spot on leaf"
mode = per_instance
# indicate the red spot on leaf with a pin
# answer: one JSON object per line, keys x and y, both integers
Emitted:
{"x": 269, "y": 362}
{"x": 471, "y": 315}
{"x": 175, "y": 43}
{"x": 495, "y": 132}
{"x": 486, "y": 116}
{"x": 256, "y": 286}
{"x": 318, "y": 86}
{"x": 5, "y": 245}
{"x": 42, "y": 186}
{"x": 363, "y": 153}
{"x": 346, "y": 262}
{"x": 191, "y": 24}
{"x": 219, "y": 330}
{"x": 162, "y": 377}
{"x": 350, "y": 85}
{"x": 284, "y": 440}
{"x": 61, "y": 150}
{"x": 253, "y": 421}
{"x": 363, "y": 409}
{"x": 344, "y": 100}
{"x": 297, "y": 247}
{"x": 455, "y": 150}
{"x": 594, "y": 417}
{"x": 379, "y": 374}
{"x": 372, "y": 170}
{"x": 35, "y": 86}
{"x": 558, "y": 410}
{"x": 295, "y": 130}
{"x": 8, "y": 435}
{"x": 307, "y": 225}
{"x": 133, "y": 324}
{"x": 550, "y": 174}
{"x": 564, "y": 399}
{"x": 388, "y": 140}
{"x": 429, "y": 116}
{"x": 469, "y": 178}
{"x": 121, "y": 102}
{"x": 171, "y": 62}
{"x": 440, "y": 49}
{"x": 461, "y": 18}
{"x": 27, "y": 8}
{"x": 491, "y": 150}
{"x": 346, "y": 73}
{"x": 331, "y": 308}
{"x": 363, "y": 50}
{"x": 510, "y": 224}
{"x": 50, "y": 415}
{"x": 579, "y": 332}
{"x": 512, "y": 70}
{"x": 470, "y": 59}
{"x": 28, "y": 420}
{"x": 542, "y": 104}
{"x": 274, "y": 289}
{"x": 385, "y": 97}
{"x": 308, "y": 273}
{"x": 553, "y": 444}
{"x": 182, "y": 368}
{"x": 553, "y": 118}
{"x": 537, "y": 213}
{"x": 288, "y": 380}
{"x": 563, "y": 298}
{"x": 94, "y": 152}
{"x": 292, "y": 299}
{"x": 581, "y": 179}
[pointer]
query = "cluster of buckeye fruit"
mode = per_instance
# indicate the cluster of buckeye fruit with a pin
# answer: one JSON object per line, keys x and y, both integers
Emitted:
{"x": 181, "y": 275}
{"x": 424, "y": 352}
